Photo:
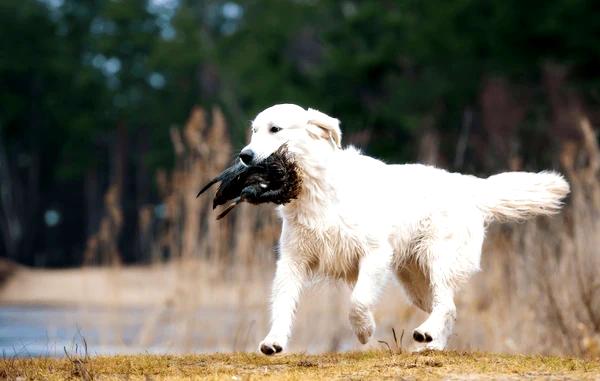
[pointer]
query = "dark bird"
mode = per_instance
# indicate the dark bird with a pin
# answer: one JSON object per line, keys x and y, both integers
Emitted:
{"x": 275, "y": 179}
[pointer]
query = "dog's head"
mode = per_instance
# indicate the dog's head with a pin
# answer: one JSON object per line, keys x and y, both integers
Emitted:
{"x": 302, "y": 130}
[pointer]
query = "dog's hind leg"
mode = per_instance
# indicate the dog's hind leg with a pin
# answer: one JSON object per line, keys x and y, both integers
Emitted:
{"x": 434, "y": 332}
{"x": 373, "y": 273}
{"x": 416, "y": 284}
{"x": 444, "y": 265}
{"x": 429, "y": 291}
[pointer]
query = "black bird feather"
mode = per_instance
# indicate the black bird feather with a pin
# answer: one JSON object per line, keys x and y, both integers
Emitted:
{"x": 275, "y": 179}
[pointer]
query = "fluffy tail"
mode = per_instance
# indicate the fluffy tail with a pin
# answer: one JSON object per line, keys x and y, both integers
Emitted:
{"x": 514, "y": 196}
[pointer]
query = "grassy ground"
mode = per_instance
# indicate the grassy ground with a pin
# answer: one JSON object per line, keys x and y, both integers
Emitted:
{"x": 352, "y": 365}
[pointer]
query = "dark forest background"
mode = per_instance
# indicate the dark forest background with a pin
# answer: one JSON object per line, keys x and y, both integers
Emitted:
{"x": 90, "y": 92}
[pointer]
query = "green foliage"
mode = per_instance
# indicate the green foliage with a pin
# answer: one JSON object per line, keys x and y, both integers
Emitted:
{"x": 380, "y": 66}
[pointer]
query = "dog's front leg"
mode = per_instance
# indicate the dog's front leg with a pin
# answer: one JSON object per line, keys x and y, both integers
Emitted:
{"x": 373, "y": 273}
{"x": 287, "y": 286}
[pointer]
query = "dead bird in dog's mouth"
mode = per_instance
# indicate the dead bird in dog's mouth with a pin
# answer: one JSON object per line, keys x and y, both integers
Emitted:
{"x": 275, "y": 179}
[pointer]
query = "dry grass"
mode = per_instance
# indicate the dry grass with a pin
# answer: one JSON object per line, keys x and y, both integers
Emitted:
{"x": 350, "y": 365}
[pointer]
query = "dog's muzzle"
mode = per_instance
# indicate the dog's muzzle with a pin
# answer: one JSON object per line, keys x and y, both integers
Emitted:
{"x": 247, "y": 156}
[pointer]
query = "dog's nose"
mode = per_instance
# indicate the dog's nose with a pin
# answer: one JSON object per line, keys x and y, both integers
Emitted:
{"x": 246, "y": 156}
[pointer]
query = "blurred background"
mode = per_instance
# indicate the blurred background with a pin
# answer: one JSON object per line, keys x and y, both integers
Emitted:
{"x": 114, "y": 113}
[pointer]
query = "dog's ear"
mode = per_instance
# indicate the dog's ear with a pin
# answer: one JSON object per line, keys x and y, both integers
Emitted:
{"x": 329, "y": 127}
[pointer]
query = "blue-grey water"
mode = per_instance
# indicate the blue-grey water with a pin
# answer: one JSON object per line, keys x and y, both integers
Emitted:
{"x": 51, "y": 330}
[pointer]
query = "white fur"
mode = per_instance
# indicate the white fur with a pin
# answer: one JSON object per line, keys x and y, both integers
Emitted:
{"x": 360, "y": 220}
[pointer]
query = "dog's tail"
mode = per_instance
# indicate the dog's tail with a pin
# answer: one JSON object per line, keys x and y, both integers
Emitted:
{"x": 514, "y": 196}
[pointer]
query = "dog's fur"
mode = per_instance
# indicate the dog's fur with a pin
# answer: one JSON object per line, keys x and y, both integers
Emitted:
{"x": 362, "y": 221}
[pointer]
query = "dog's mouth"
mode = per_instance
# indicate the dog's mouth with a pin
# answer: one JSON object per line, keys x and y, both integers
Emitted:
{"x": 275, "y": 179}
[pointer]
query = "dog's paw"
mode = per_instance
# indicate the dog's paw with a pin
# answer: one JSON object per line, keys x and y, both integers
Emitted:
{"x": 430, "y": 339}
{"x": 422, "y": 337}
{"x": 363, "y": 334}
{"x": 362, "y": 322}
{"x": 269, "y": 346}
{"x": 434, "y": 332}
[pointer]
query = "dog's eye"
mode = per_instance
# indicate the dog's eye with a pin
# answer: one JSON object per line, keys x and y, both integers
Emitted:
{"x": 275, "y": 129}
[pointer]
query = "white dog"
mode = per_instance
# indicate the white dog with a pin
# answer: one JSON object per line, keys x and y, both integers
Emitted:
{"x": 360, "y": 220}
